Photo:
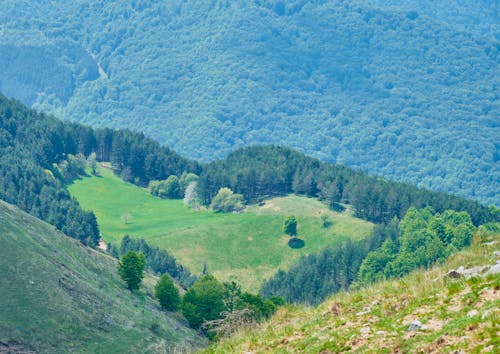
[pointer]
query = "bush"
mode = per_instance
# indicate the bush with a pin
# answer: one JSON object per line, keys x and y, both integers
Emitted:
{"x": 226, "y": 201}
{"x": 169, "y": 188}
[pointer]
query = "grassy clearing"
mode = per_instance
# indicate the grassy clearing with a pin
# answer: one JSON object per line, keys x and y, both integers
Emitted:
{"x": 457, "y": 315}
{"x": 58, "y": 296}
{"x": 246, "y": 247}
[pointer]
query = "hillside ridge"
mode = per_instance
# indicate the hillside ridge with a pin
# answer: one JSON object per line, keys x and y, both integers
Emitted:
{"x": 60, "y": 296}
{"x": 449, "y": 308}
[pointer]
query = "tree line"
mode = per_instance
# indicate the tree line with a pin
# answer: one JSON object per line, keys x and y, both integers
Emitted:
{"x": 37, "y": 151}
{"x": 264, "y": 171}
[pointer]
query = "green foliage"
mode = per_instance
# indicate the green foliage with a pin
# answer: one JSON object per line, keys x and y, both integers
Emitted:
{"x": 226, "y": 201}
{"x": 426, "y": 237}
{"x": 167, "y": 294}
{"x": 290, "y": 226}
{"x": 169, "y": 188}
{"x": 157, "y": 260}
{"x": 203, "y": 301}
{"x": 71, "y": 168}
{"x": 347, "y": 96}
{"x": 37, "y": 155}
{"x": 186, "y": 179}
{"x": 131, "y": 269}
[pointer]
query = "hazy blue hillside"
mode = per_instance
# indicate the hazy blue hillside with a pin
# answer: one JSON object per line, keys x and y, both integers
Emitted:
{"x": 411, "y": 93}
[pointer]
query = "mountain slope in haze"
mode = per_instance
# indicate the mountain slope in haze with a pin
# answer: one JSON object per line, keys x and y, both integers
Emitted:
{"x": 424, "y": 312}
{"x": 58, "y": 296}
{"x": 400, "y": 91}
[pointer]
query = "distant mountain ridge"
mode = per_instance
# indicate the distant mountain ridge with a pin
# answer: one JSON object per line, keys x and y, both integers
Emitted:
{"x": 408, "y": 91}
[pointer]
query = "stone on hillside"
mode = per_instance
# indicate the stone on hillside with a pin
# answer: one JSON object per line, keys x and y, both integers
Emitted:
{"x": 495, "y": 269}
{"x": 472, "y": 313}
{"x": 415, "y": 325}
{"x": 496, "y": 253}
{"x": 453, "y": 274}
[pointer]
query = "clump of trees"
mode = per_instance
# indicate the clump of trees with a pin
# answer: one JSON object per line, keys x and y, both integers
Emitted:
{"x": 258, "y": 172}
{"x": 169, "y": 188}
{"x": 131, "y": 269}
{"x": 158, "y": 260}
{"x": 425, "y": 237}
{"x": 222, "y": 308}
{"x": 226, "y": 201}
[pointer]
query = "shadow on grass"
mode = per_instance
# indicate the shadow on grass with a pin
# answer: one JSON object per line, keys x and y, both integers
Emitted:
{"x": 296, "y": 242}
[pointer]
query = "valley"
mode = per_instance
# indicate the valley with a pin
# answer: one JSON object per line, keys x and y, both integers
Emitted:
{"x": 247, "y": 247}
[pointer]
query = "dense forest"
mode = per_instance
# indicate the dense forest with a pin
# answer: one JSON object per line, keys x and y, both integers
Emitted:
{"x": 259, "y": 172}
{"x": 403, "y": 89}
{"x": 35, "y": 147}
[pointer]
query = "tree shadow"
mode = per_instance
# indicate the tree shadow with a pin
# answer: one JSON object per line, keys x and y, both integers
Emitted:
{"x": 296, "y": 242}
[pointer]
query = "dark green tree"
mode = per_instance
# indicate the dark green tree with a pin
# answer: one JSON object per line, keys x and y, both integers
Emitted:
{"x": 131, "y": 269}
{"x": 203, "y": 301}
{"x": 290, "y": 226}
{"x": 167, "y": 293}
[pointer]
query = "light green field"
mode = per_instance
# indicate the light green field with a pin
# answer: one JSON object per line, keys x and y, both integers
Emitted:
{"x": 247, "y": 247}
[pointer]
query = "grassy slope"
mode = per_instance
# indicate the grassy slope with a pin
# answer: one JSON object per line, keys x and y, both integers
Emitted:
{"x": 376, "y": 318}
{"x": 246, "y": 247}
{"x": 58, "y": 296}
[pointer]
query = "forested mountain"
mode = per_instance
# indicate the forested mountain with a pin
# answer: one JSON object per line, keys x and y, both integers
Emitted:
{"x": 39, "y": 152}
{"x": 406, "y": 90}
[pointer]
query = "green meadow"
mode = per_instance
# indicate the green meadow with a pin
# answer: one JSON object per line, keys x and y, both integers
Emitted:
{"x": 247, "y": 247}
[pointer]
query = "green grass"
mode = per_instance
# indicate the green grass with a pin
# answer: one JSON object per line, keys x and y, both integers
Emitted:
{"x": 58, "y": 296}
{"x": 457, "y": 315}
{"x": 246, "y": 247}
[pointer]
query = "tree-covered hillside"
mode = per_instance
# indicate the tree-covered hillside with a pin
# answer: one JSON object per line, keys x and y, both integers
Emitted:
{"x": 404, "y": 90}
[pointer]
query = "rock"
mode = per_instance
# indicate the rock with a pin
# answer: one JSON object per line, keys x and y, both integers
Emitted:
{"x": 380, "y": 333}
{"x": 472, "y": 313}
{"x": 364, "y": 312}
{"x": 414, "y": 325}
{"x": 365, "y": 330}
{"x": 486, "y": 314}
{"x": 495, "y": 269}
{"x": 496, "y": 253}
{"x": 489, "y": 243}
{"x": 453, "y": 274}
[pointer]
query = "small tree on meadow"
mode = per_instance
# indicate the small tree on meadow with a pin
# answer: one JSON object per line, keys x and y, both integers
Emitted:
{"x": 167, "y": 293}
{"x": 191, "y": 196}
{"x": 92, "y": 162}
{"x": 131, "y": 269}
{"x": 290, "y": 226}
